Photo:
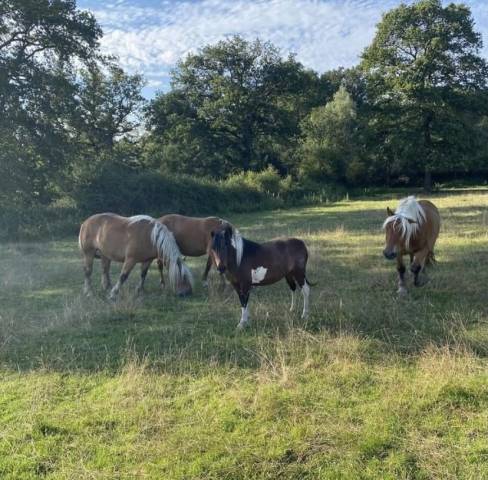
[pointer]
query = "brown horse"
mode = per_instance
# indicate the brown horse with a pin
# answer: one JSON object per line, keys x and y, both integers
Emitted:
{"x": 193, "y": 236}
{"x": 247, "y": 264}
{"x": 412, "y": 229}
{"x": 131, "y": 240}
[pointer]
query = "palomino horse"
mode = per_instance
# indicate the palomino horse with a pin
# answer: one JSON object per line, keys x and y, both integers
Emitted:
{"x": 248, "y": 264}
{"x": 193, "y": 236}
{"x": 131, "y": 240}
{"x": 412, "y": 229}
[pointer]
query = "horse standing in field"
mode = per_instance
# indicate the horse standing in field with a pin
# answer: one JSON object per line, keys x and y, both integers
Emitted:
{"x": 131, "y": 240}
{"x": 247, "y": 264}
{"x": 411, "y": 229}
{"x": 193, "y": 236}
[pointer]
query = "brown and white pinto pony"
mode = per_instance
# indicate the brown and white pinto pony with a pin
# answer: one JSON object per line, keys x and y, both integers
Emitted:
{"x": 411, "y": 229}
{"x": 247, "y": 264}
{"x": 131, "y": 240}
{"x": 193, "y": 236}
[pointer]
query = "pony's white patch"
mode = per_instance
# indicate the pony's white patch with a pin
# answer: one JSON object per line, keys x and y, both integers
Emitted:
{"x": 238, "y": 244}
{"x": 138, "y": 218}
{"x": 164, "y": 241}
{"x": 258, "y": 274}
{"x": 410, "y": 216}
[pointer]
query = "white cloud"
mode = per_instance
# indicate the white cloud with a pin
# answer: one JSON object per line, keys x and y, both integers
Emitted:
{"x": 324, "y": 34}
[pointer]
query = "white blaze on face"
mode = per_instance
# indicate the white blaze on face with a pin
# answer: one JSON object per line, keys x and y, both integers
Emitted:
{"x": 257, "y": 275}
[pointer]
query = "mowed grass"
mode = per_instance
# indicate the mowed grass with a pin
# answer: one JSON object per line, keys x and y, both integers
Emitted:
{"x": 370, "y": 386}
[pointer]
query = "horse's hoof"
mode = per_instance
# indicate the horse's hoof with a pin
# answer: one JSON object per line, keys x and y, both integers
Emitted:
{"x": 402, "y": 292}
{"x": 205, "y": 284}
{"x": 242, "y": 325}
{"x": 183, "y": 294}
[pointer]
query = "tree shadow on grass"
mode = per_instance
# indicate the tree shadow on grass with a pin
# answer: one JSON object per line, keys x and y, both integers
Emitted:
{"x": 48, "y": 324}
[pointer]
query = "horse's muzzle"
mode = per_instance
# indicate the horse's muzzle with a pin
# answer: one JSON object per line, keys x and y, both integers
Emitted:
{"x": 389, "y": 255}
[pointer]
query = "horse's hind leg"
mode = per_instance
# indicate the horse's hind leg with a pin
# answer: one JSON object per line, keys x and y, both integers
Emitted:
{"x": 144, "y": 268}
{"x": 299, "y": 276}
{"x": 293, "y": 286}
{"x": 126, "y": 269}
{"x": 106, "y": 283}
{"x": 88, "y": 269}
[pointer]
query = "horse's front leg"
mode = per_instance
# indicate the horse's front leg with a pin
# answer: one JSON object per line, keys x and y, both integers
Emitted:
{"x": 161, "y": 274}
{"x": 244, "y": 299}
{"x": 106, "y": 283}
{"x": 207, "y": 269}
{"x": 418, "y": 265}
{"x": 87, "y": 270}
{"x": 402, "y": 289}
{"x": 126, "y": 269}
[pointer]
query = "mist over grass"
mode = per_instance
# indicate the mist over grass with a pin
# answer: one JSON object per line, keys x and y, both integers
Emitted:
{"x": 369, "y": 386}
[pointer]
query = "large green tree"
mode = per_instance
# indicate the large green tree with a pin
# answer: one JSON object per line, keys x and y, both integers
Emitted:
{"x": 425, "y": 75}
{"x": 235, "y": 106}
{"x": 39, "y": 42}
{"x": 329, "y": 146}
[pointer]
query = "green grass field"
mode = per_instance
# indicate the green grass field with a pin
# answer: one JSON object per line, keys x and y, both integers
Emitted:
{"x": 370, "y": 386}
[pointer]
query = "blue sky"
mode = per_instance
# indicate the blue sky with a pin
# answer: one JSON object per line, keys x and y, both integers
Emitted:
{"x": 149, "y": 36}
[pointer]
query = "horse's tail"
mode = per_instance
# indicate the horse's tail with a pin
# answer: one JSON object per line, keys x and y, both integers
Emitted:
{"x": 169, "y": 253}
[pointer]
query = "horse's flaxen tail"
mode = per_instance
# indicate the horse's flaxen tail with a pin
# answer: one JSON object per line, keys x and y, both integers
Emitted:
{"x": 168, "y": 252}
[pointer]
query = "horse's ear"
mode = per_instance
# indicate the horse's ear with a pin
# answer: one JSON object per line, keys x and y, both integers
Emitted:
{"x": 389, "y": 211}
{"x": 228, "y": 230}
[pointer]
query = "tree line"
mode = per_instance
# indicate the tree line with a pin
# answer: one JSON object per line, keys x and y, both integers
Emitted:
{"x": 413, "y": 109}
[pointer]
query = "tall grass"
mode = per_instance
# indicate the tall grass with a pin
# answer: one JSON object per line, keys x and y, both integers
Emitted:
{"x": 370, "y": 386}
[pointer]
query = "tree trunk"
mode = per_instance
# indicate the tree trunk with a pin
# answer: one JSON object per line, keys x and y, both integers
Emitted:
{"x": 427, "y": 180}
{"x": 428, "y": 148}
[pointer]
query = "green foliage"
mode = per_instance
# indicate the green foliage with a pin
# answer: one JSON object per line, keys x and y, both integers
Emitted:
{"x": 329, "y": 148}
{"x": 425, "y": 73}
{"x": 234, "y": 106}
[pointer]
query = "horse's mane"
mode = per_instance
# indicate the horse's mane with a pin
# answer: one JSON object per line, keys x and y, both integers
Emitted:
{"x": 164, "y": 241}
{"x": 410, "y": 216}
{"x": 236, "y": 241}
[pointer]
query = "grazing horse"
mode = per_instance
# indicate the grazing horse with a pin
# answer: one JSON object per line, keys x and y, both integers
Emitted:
{"x": 411, "y": 229}
{"x": 247, "y": 264}
{"x": 193, "y": 236}
{"x": 131, "y": 240}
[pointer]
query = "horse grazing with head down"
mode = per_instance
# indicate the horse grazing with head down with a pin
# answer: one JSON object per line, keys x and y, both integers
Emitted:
{"x": 193, "y": 236}
{"x": 131, "y": 240}
{"x": 411, "y": 229}
{"x": 247, "y": 264}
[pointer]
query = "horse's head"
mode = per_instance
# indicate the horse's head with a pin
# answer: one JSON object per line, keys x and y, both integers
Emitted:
{"x": 395, "y": 234}
{"x": 221, "y": 250}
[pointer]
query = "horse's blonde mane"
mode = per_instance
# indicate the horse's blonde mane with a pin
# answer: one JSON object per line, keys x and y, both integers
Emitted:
{"x": 164, "y": 241}
{"x": 410, "y": 216}
{"x": 236, "y": 241}
{"x": 238, "y": 244}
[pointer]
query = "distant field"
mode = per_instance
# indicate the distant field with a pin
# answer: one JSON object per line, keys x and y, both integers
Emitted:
{"x": 369, "y": 386}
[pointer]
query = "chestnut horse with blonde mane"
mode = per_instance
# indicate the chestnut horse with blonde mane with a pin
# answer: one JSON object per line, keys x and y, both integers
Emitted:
{"x": 193, "y": 236}
{"x": 411, "y": 229}
{"x": 131, "y": 240}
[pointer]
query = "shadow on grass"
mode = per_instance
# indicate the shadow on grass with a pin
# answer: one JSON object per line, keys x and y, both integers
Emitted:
{"x": 48, "y": 324}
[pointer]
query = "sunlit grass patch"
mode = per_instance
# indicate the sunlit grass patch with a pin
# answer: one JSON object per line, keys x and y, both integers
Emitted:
{"x": 369, "y": 386}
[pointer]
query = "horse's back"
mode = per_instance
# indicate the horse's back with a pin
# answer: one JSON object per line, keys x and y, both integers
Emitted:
{"x": 192, "y": 234}
{"x": 433, "y": 221}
